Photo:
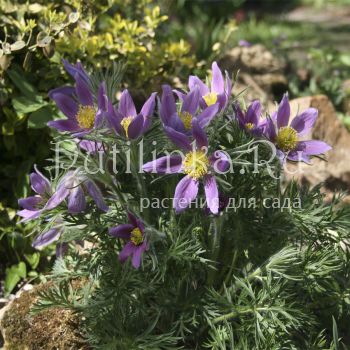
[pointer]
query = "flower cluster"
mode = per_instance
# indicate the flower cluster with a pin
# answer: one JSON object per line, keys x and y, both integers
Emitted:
{"x": 184, "y": 121}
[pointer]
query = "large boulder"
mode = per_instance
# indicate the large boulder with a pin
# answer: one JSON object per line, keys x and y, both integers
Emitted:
{"x": 260, "y": 69}
{"x": 335, "y": 171}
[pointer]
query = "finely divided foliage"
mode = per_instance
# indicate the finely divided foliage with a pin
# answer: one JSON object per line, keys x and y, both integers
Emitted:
{"x": 180, "y": 276}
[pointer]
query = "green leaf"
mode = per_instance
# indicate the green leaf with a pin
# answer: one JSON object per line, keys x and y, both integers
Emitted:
{"x": 335, "y": 334}
{"x": 14, "y": 275}
{"x": 39, "y": 118}
{"x": 25, "y": 105}
{"x": 33, "y": 259}
{"x": 22, "y": 84}
{"x": 18, "y": 45}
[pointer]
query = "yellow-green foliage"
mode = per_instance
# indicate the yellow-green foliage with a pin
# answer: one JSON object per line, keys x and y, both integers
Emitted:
{"x": 96, "y": 33}
{"x": 133, "y": 39}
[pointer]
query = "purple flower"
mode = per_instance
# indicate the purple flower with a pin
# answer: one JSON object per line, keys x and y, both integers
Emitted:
{"x": 136, "y": 242}
{"x": 197, "y": 165}
{"x": 49, "y": 236}
{"x": 250, "y": 120}
{"x": 73, "y": 186}
{"x": 126, "y": 121}
{"x": 77, "y": 104}
{"x": 244, "y": 43}
{"x": 287, "y": 138}
{"x": 218, "y": 92}
{"x": 182, "y": 121}
{"x": 33, "y": 205}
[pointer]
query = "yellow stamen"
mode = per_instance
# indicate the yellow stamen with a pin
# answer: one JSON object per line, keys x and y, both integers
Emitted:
{"x": 186, "y": 119}
{"x": 136, "y": 236}
{"x": 287, "y": 138}
{"x": 125, "y": 124}
{"x": 210, "y": 98}
{"x": 86, "y": 116}
{"x": 249, "y": 126}
{"x": 196, "y": 164}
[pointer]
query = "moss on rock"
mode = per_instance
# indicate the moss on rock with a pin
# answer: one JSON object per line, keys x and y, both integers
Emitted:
{"x": 51, "y": 329}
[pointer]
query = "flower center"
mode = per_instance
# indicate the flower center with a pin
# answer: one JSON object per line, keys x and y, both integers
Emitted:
{"x": 86, "y": 116}
{"x": 136, "y": 236}
{"x": 287, "y": 138}
{"x": 125, "y": 124}
{"x": 210, "y": 98}
{"x": 196, "y": 164}
{"x": 249, "y": 126}
{"x": 186, "y": 118}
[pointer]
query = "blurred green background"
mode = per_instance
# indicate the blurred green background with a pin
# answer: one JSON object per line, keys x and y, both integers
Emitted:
{"x": 159, "y": 41}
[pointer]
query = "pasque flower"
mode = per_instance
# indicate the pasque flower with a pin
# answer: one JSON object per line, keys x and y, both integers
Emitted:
{"x": 73, "y": 186}
{"x": 34, "y": 205}
{"x": 198, "y": 166}
{"x": 136, "y": 243}
{"x": 77, "y": 103}
{"x": 126, "y": 121}
{"x": 219, "y": 90}
{"x": 250, "y": 120}
{"x": 181, "y": 120}
{"x": 49, "y": 236}
{"x": 288, "y": 137}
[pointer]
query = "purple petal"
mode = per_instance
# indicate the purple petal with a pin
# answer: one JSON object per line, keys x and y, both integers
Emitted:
{"x": 102, "y": 100}
{"x": 135, "y": 128}
{"x": 65, "y": 90}
{"x": 181, "y": 95}
{"x": 114, "y": 118}
{"x": 164, "y": 165}
{"x": 47, "y": 238}
{"x": 298, "y": 156}
{"x": 167, "y": 105}
{"x": 199, "y": 135}
{"x": 191, "y": 102}
{"x": 90, "y": 146}
{"x": 128, "y": 249}
{"x": 57, "y": 198}
{"x": 304, "y": 122}
{"x": 239, "y": 114}
{"x": 205, "y": 117}
{"x": 283, "y": 112}
{"x": 64, "y": 125}
{"x": 137, "y": 255}
{"x": 211, "y": 194}
{"x": 83, "y": 92}
{"x": 220, "y": 161}
{"x": 217, "y": 82}
{"x": 121, "y": 231}
{"x": 132, "y": 219}
{"x": 76, "y": 200}
{"x": 30, "y": 203}
{"x": 28, "y": 214}
{"x": 253, "y": 112}
{"x": 126, "y": 105}
{"x": 66, "y": 104}
{"x": 179, "y": 139}
{"x": 313, "y": 147}
{"x": 40, "y": 184}
{"x": 73, "y": 70}
{"x": 186, "y": 191}
{"x": 194, "y": 81}
{"x": 270, "y": 130}
{"x": 148, "y": 107}
{"x": 96, "y": 195}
